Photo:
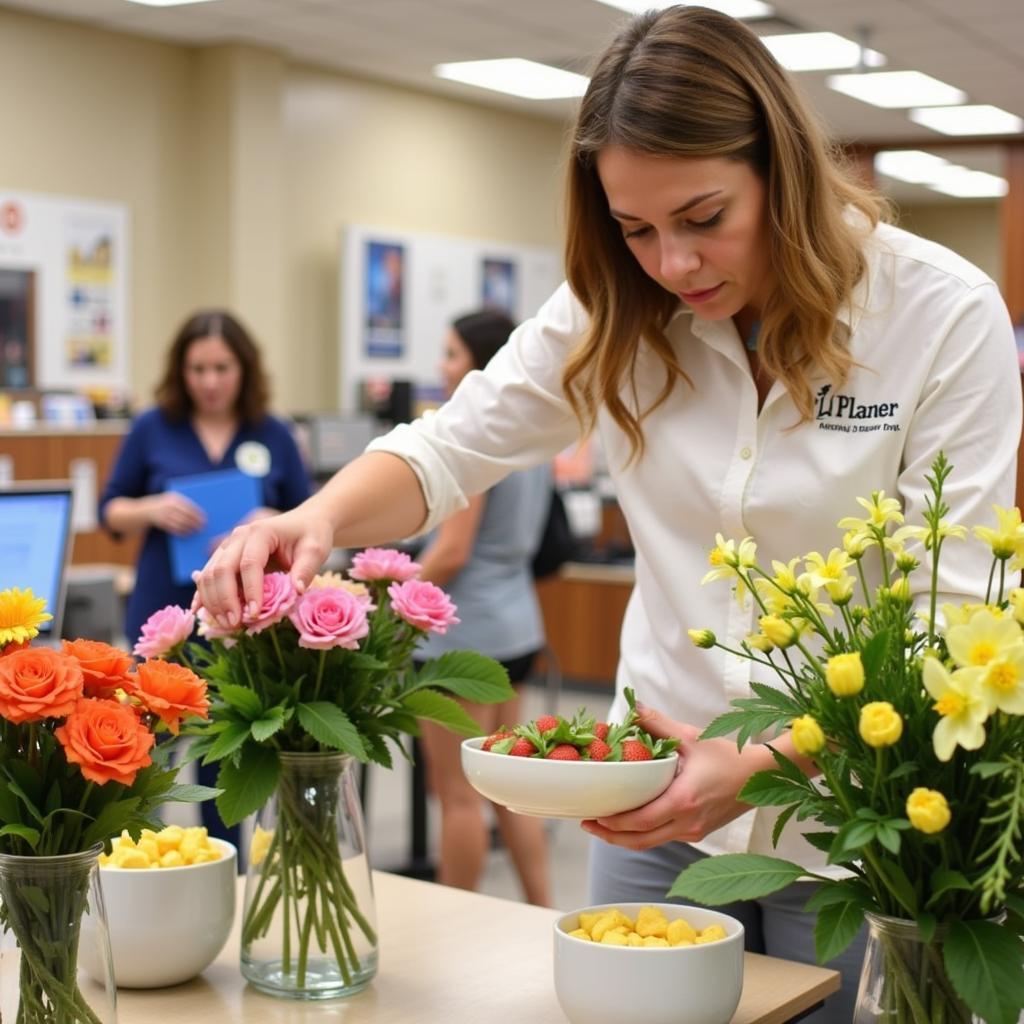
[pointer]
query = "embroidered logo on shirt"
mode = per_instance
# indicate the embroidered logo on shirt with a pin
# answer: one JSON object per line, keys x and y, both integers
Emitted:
{"x": 253, "y": 458}
{"x": 846, "y": 413}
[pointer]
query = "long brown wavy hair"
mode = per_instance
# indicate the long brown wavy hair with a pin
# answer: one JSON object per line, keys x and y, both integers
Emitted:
{"x": 171, "y": 394}
{"x": 690, "y": 82}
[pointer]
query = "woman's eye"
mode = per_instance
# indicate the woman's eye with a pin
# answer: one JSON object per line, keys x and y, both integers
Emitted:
{"x": 709, "y": 223}
{"x": 635, "y": 233}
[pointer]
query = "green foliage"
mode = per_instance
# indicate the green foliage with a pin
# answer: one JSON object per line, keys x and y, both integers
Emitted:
{"x": 735, "y": 876}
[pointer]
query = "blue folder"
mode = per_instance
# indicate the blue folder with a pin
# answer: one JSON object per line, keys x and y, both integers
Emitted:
{"x": 226, "y": 497}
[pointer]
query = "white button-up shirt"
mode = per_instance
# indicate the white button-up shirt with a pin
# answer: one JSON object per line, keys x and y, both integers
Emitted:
{"x": 935, "y": 368}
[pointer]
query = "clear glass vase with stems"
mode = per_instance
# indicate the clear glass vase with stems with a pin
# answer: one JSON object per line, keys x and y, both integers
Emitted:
{"x": 45, "y": 904}
{"x": 904, "y": 978}
{"x": 309, "y": 924}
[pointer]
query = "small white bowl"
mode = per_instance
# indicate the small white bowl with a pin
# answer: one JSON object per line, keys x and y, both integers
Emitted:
{"x": 564, "y": 789}
{"x": 166, "y": 924}
{"x": 602, "y": 984}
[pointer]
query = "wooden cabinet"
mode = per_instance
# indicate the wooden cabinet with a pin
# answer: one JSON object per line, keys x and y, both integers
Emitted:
{"x": 47, "y": 454}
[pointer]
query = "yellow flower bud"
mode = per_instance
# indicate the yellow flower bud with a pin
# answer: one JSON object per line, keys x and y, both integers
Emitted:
{"x": 808, "y": 739}
{"x": 899, "y": 590}
{"x": 841, "y": 591}
{"x": 844, "y": 674}
{"x": 701, "y": 637}
{"x": 880, "y": 724}
{"x": 759, "y": 642}
{"x": 778, "y": 630}
{"x": 928, "y": 810}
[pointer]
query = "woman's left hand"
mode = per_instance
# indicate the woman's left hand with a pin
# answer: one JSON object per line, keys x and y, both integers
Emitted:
{"x": 699, "y": 800}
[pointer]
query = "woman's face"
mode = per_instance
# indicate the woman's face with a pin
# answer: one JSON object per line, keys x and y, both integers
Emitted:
{"x": 213, "y": 376}
{"x": 456, "y": 362}
{"x": 696, "y": 226}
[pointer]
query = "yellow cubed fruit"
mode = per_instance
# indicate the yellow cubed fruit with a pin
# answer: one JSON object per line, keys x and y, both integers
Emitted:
{"x": 713, "y": 933}
{"x": 172, "y": 859}
{"x": 604, "y": 923}
{"x": 587, "y": 921}
{"x": 206, "y": 855}
{"x": 127, "y": 858}
{"x": 680, "y": 931}
{"x": 651, "y": 921}
{"x": 655, "y": 940}
{"x": 581, "y": 933}
{"x": 149, "y": 848}
{"x": 633, "y": 939}
{"x": 614, "y": 937}
{"x": 169, "y": 838}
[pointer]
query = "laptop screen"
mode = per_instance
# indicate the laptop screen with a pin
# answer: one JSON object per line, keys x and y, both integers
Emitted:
{"x": 35, "y": 527}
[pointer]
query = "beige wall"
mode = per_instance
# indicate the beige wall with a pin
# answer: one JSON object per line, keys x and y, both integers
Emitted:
{"x": 970, "y": 228}
{"x": 239, "y": 171}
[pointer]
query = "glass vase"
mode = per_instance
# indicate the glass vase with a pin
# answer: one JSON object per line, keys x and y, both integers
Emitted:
{"x": 45, "y": 905}
{"x": 904, "y": 978}
{"x": 309, "y": 924}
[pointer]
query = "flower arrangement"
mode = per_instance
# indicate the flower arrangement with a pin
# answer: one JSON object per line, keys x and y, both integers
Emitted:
{"x": 915, "y": 725}
{"x": 79, "y": 763}
{"x": 325, "y": 671}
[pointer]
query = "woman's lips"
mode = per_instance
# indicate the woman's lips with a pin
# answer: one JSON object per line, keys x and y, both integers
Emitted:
{"x": 701, "y": 296}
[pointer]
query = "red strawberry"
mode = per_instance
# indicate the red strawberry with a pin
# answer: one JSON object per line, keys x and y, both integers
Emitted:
{"x": 564, "y": 752}
{"x": 598, "y": 750}
{"x": 546, "y": 723}
{"x": 635, "y": 750}
{"x": 601, "y": 730}
{"x": 522, "y": 748}
{"x": 501, "y": 734}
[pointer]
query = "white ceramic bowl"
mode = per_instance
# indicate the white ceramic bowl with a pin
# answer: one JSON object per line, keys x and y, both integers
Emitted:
{"x": 601, "y": 984}
{"x": 166, "y": 924}
{"x": 564, "y": 789}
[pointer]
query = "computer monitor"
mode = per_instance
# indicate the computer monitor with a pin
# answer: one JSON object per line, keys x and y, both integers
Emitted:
{"x": 35, "y": 544}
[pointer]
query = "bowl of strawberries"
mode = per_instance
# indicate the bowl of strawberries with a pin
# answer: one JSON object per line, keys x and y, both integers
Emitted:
{"x": 555, "y": 767}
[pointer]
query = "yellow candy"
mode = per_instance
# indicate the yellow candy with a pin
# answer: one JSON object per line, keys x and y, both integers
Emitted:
{"x": 587, "y": 921}
{"x": 615, "y": 937}
{"x": 131, "y": 859}
{"x": 651, "y": 921}
{"x": 634, "y": 939}
{"x": 172, "y": 859}
{"x": 655, "y": 940}
{"x": 713, "y": 933}
{"x": 169, "y": 838}
{"x": 581, "y": 933}
{"x": 680, "y": 931}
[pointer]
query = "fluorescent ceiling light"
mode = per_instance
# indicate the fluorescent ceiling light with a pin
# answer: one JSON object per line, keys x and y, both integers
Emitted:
{"x": 968, "y": 184}
{"x": 975, "y": 119}
{"x": 734, "y": 8}
{"x": 818, "y": 51}
{"x": 517, "y": 77}
{"x": 895, "y": 89}
{"x": 912, "y": 165}
{"x": 169, "y": 3}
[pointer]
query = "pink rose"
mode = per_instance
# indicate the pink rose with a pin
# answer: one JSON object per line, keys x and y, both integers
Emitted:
{"x": 279, "y": 595}
{"x": 208, "y": 628}
{"x": 383, "y": 564}
{"x": 163, "y": 631}
{"x": 329, "y": 617}
{"x": 423, "y": 605}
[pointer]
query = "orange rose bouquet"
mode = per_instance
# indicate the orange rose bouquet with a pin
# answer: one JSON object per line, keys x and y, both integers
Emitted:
{"x": 79, "y": 763}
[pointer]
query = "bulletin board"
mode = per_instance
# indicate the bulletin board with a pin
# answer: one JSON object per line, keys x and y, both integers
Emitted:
{"x": 77, "y": 253}
{"x": 399, "y": 291}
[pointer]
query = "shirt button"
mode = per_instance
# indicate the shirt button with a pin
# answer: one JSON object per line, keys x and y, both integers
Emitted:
{"x": 745, "y": 453}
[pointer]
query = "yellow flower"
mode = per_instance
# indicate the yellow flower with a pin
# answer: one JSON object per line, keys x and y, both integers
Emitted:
{"x": 844, "y": 674}
{"x": 926, "y": 535}
{"x": 21, "y": 615}
{"x": 841, "y": 591}
{"x": 982, "y": 639}
{"x": 726, "y": 561}
{"x": 928, "y": 810}
{"x": 1007, "y": 539}
{"x": 880, "y": 512}
{"x": 808, "y": 739}
{"x": 856, "y": 542}
{"x": 962, "y": 708}
{"x": 701, "y": 637}
{"x": 823, "y": 571}
{"x": 899, "y": 590}
{"x": 1001, "y": 681}
{"x": 759, "y": 642}
{"x": 778, "y": 630}
{"x": 880, "y": 724}
{"x": 259, "y": 845}
{"x": 1016, "y": 597}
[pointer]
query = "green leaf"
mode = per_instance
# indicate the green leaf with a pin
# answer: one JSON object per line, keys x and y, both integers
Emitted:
{"x": 378, "y": 752}
{"x": 903, "y": 769}
{"x": 30, "y": 835}
{"x": 110, "y": 821}
{"x": 242, "y": 699}
{"x": 183, "y": 794}
{"x": 888, "y": 837}
{"x": 944, "y": 880}
{"x": 983, "y": 961}
{"x": 265, "y": 727}
{"x": 837, "y": 926}
{"x": 439, "y": 708}
{"x": 8, "y": 806}
{"x": 469, "y": 675}
{"x": 853, "y": 836}
{"x": 874, "y": 652}
{"x": 227, "y": 742}
{"x": 769, "y": 789}
{"x": 330, "y": 726}
{"x": 780, "y": 823}
{"x": 734, "y": 876}
{"x": 248, "y": 785}
{"x": 24, "y": 798}
{"x": 986, "y": 769}
{"x": 823, "y": 841}
{"x": 847, "y": 890}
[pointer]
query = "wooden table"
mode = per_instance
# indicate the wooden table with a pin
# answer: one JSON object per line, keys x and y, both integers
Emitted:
{"x": 447, "y": 957}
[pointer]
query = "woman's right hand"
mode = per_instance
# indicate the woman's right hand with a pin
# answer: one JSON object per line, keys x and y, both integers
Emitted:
{"x": 174, "y": 513}
{"x": 299, "y": 541}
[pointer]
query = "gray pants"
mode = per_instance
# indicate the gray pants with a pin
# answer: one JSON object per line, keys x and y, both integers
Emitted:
{"x": 776, "y": 925}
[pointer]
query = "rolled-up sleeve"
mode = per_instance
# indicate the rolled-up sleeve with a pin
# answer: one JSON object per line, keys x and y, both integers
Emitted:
{"x": 508, "y": 417}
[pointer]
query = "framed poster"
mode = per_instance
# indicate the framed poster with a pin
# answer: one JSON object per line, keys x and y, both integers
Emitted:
{"x": 498, "y": 286}
{"x": 384, "y": 300}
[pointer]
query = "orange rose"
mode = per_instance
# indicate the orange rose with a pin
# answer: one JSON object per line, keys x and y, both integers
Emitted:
{"x": 171, "y": 691}
{"x": 106, "y": 740}
{"x": 36, "y": 683}
{"x": 14, "y": 645}
{"x": 104, "y": 668}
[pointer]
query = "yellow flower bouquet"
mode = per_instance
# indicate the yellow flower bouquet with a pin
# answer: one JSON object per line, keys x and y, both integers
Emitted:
{"x": 913, "y": 715}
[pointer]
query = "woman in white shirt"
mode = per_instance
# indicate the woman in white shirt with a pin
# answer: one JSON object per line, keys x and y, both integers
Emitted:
{"x": 756, "y": 349}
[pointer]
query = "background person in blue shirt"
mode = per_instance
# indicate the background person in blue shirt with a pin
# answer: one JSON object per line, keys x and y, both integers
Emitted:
{"x": 210, "y": 414}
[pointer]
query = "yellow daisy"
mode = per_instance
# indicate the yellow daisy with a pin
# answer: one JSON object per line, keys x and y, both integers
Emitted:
{"x": 21, "y": 615}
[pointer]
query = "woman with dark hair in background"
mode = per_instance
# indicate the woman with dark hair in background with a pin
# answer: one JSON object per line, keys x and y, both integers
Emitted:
{"x": 210, "y": 414}
{"x": 732, "y": 289}
{"x": 482, "y": 556}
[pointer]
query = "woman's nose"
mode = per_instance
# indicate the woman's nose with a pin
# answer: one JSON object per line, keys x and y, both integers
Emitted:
{"x": 679, "y": 260}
